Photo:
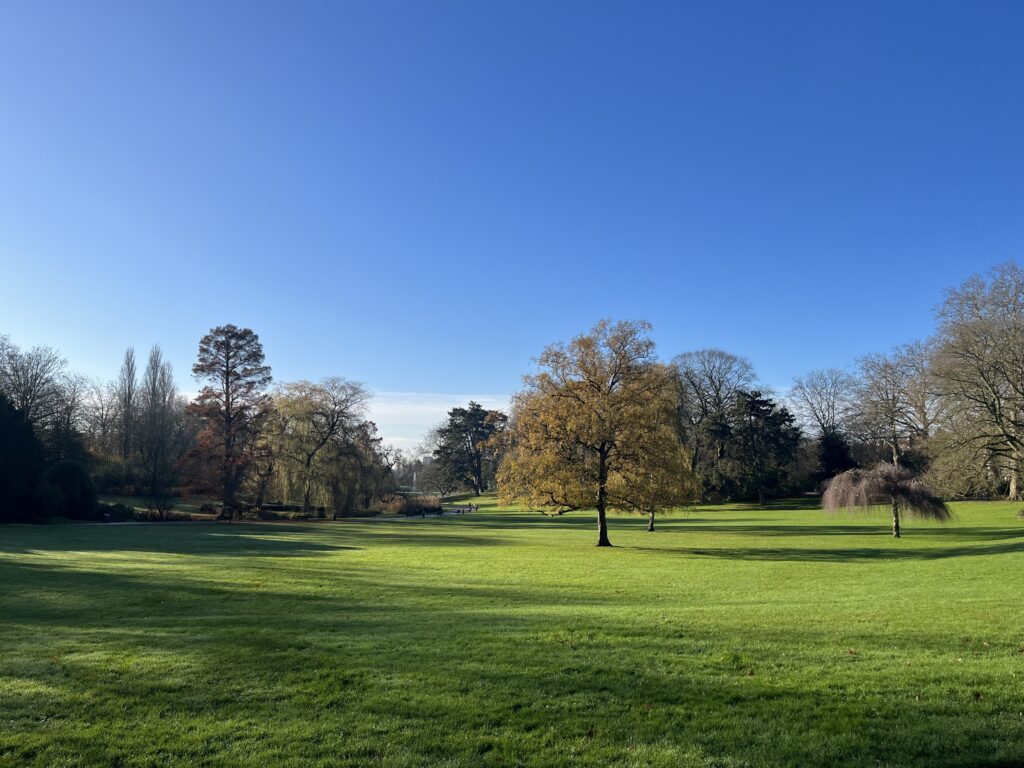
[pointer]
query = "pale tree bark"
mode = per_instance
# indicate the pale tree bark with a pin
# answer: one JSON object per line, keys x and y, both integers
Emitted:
{"x": 1014, "y": 492}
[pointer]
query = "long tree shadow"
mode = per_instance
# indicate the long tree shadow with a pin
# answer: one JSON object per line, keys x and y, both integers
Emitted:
{"x": 239, "y": 540}
{"x": 768, "y": 529}
{"x": 575, "y": 520}
{"x": 854, "y": 554}
{"x": 481, "y": 666}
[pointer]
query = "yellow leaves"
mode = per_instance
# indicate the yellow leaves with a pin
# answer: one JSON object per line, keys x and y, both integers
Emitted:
{"x": 600, "y": 403}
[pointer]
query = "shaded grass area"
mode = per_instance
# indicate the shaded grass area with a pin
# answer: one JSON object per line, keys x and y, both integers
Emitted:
{"x": 732, "y": 636}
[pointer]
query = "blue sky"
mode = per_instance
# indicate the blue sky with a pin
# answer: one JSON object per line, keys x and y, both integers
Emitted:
{"x": 421, "y": 195}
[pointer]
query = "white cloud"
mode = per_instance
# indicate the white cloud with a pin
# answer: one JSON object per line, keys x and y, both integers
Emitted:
{"x": 404, "y": 418}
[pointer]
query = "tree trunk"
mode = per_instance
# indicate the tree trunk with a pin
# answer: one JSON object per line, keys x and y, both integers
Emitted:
{"x": 895, "y": 518}
{"x": 760, "y": 496}
{"x": 307, "y": 486}
{"x": 650, "y": 520}
{"x": 602, "y": 499}
{"x": 1014, "y": 493}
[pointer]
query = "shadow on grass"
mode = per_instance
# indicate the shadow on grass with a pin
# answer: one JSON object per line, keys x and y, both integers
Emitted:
{"x": 769, "y": 530}
{"x": 242, "y": 540}
{"x": 580, "y": 520}
{"x": 403, "y": 659}
{"x": 846, "y": 554}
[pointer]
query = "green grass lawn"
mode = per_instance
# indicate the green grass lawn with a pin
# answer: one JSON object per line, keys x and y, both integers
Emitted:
{"x": 732, "y": 636}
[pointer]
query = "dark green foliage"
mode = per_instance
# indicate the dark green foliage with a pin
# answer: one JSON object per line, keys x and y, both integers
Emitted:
{"x": 834, "y": 455}
{"x": 21, "y": 466}
{"x": 67, "y": 491}
{"x": 466, "y": 445}
{"x": 763, "y": 441}
{"x": 750, "y": 448}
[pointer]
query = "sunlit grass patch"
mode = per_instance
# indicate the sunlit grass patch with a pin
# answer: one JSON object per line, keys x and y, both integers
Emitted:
{"x": 734, "y": 635}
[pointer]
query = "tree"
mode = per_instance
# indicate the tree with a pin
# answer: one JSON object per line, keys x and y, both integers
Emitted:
{"x": 127, "y": 386}
{"x": 833, "y": 456}
{"x": 372, "y": 463}
{"x": 69, "y": 419}
{"x": 897, "y": 399}
{"x": 664, "y": 481}
{"x": 860, "y": 488}
{"x": 31, "y": 381}
{"x": 230, "y": 405}
{"x": 466, "y": 443}
{"x": 434, "y": 477}
{"x": 708, "y": 381}
{"x": 580, "y": 430}
{"x": 823, "y": 399}
{"x": 978, "y": 365}
{"x": 67, "y": 490}
{"x": 760, "y": 441}
{"x": 316, "y": 418}
{"x": 102, "y": 417}
{"x": 159, "y": 438}
{"x": 21, "y": 465}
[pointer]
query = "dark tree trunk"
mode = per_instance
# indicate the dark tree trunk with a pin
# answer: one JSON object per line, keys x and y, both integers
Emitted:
{"x": 602, "y": 498}
{"x": 895, "y": 518}
{"x": 307, "y": 485}
{"x": 650, "y": 520}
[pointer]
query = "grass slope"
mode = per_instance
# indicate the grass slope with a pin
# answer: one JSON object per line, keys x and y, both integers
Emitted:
{"x": 732, "y": 636}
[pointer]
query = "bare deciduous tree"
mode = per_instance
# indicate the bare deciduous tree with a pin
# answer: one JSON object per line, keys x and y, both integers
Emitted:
{"x": 158, "y": 434}
{"x": 31, "y": 380}
{"x": 823, "y": 399}
{"x": 102, "y": 416}
{"x": 709, "y": 380}
{"x": 127, "y": 388}
{"x": 979, "y": 365}
{"x": 897, "y": 400}
{"x": 69, "y": 418}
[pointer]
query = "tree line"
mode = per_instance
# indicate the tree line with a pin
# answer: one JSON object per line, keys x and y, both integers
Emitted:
{"x": 603, "y": 422}
{"x": 241, "y": 444}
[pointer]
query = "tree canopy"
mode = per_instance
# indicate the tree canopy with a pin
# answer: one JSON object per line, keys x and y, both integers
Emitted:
{"x": 595, "y": 427}
{"x": 467, "y": 445}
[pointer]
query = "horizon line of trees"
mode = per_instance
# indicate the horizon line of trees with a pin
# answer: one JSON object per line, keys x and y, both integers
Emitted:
{"x": 950, "y": 409}
{"x": 604, "y": 424}
{"x": 240, "y": 445}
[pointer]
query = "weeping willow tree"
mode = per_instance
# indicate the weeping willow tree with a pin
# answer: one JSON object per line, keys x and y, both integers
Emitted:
{"x": 865, "y": 488}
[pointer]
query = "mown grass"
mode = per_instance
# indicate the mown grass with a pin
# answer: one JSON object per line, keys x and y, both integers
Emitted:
{"x": 732, "y": 636}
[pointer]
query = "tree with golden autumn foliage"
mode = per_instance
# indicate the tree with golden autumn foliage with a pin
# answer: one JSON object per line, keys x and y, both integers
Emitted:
{"x": 595, "y": 428}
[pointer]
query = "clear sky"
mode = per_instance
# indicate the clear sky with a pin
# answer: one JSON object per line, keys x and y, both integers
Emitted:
{"x": 420, "y": 195}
